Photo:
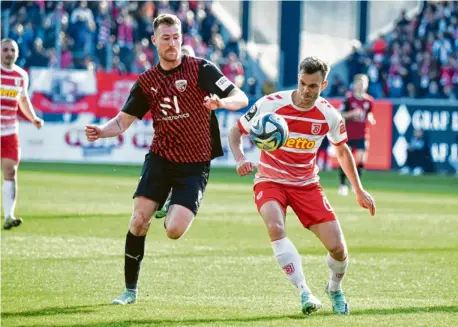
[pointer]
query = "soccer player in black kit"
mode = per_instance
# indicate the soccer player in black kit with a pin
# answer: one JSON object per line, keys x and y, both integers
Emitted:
{"x": 181, "y": 93}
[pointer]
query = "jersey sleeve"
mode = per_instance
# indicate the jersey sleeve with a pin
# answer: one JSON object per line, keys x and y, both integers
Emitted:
{"x": 337, "y": 134}
{"x": 212, "y": 80}
{"x": 136, "y": 104}
{"x": 257, "y": 109}
{"x": 345, "y": 106}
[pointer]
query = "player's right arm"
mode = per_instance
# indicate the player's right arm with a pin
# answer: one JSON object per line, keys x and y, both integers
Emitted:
{"x": 135, "y": 107}
{"x": 244, "y": 167}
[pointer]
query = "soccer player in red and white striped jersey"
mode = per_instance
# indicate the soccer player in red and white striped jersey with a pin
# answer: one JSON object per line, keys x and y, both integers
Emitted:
{"x": 13, "y": 88}
{"x": 289, "y": 177}
{"x": 181, "y": 94}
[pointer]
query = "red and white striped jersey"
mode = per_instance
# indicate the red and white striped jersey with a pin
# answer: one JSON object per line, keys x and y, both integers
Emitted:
{"x": 294, "y": 162}
{"x": 14, "y": 83}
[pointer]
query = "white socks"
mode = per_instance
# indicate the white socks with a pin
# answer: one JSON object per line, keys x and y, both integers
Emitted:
{"x": 9, "y": 198}
{"x": 290, "y": 261}
{"x": 337, "y": 271}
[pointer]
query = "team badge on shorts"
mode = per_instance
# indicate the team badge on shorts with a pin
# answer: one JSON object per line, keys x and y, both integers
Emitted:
{"x": 181, "y": 85}
{"x": 316, "y": 128}
{"x": 259, "y": 196}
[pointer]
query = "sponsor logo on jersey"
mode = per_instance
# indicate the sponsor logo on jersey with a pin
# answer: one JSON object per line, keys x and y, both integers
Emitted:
{"x": 8, "y": 93}
{"x": 251, "y": 113}
{"x": 181, "y": 85}
{"x": 299, "y": 143}
{"x": 185, "y": 115}
{"x": 316, "y": 128}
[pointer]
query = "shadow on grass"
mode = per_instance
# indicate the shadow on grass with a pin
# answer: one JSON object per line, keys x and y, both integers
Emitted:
{"x": 53, "y": 311}
{"x": 201, "y": 321}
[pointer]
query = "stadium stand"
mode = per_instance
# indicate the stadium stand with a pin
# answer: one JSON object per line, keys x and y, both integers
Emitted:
{"x": 418, "y": 59}
{"x": 112, "y": 35}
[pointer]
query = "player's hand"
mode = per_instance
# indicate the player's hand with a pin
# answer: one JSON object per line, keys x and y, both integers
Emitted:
{"x": 213, "y": 102}
{"x": 245, "y": 167}
{"x": 38, "y": 122}
{"x": 366, "y": 201}
{"x": 93, "y": 132}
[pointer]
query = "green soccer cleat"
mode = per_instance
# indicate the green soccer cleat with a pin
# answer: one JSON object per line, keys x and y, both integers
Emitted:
{"x": 128, "y": 297}
{"x": 12, "y": 222}
{"x": 163, "y": 212}
{"x": 339, "y": 305}
{"x": 309, "y": 303}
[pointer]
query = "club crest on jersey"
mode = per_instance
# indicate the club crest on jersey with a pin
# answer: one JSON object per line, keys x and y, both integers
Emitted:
{"x": 181, "y": 85}
{"x": 17, "y": 82}
{"x": 316, "y": 129}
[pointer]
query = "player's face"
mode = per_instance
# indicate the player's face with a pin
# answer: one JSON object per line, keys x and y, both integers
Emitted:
{"x": 10, "y": 53}
{"x": 168, "y": 42}
{"x": 310, "y": 87}
{"x": 360, "y": 86}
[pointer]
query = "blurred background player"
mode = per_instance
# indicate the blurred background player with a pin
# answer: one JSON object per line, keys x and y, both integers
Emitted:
{"x": 181, "y": 93}
{"x": 418, "y": 155}
{"x": 356, "y": 110}
{"x": 289, "y": 175}
{"x": 14, "y": 84}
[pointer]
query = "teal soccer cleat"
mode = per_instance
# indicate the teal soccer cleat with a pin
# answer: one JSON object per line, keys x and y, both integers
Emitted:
{"x": 128, "y": 297}
{"x": 309, "y": 303}
{"x": 339, "y": 305}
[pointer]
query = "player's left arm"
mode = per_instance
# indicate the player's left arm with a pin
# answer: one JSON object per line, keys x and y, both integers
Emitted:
{"x": 370, "y": 114}
{"x": 338, "y": 137}
{"x": 26, "y": 105}
{"x": 346, "y": 161}
{"x": 223, "y": 93}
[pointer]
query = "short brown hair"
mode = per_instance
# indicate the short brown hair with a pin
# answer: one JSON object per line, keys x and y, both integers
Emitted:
{"x": 311, "y": 65}
{"x": 166, "y": 19}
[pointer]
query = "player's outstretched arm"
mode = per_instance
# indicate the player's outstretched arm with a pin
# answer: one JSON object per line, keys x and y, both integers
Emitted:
{"x": 244, "y": 167}
{"x": 113, "y": 127}
{"x": 347, "y": 163}
{"x": 235, "y": 100}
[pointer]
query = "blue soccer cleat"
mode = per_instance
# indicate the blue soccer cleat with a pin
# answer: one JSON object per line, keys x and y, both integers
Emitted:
{"x": 339, "y": 304}
{"x": 309, "y": 303}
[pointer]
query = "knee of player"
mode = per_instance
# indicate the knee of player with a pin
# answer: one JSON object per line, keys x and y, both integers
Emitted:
{"x": 10, "y": 173}
{"x": 141, "y": 218}
{"x": 338, "y": 251}
{"x": 276, "y": 228}
{"x": 174, "y": 232}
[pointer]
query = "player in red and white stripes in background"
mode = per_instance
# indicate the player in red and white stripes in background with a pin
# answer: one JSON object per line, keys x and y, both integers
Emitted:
{"x": 13, "y": 94}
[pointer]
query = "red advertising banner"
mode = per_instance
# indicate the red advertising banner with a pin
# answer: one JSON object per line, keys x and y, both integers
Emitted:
{"x": 379, "y": 136}
{"x": 113, "y": 91}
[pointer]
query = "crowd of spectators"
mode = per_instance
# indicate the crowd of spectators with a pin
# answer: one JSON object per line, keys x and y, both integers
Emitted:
{"x": 113, "y": 35}
{"x": 418, "y": 59}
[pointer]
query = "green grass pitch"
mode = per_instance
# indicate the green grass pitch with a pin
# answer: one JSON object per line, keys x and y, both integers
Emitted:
{"x": 64, "y": 265}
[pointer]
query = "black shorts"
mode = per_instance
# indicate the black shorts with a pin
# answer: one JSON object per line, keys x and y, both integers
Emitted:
{"x": 357, "y": 144}
{"x": 188, "y": 181}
